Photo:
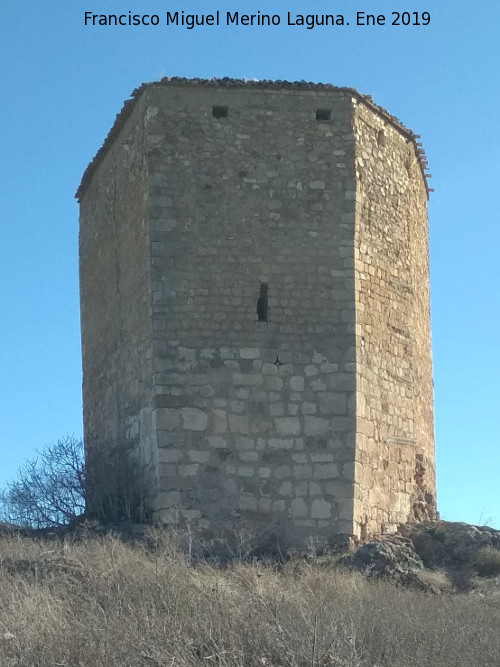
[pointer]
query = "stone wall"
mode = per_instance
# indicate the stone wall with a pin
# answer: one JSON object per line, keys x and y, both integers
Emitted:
{"x": 308, "y": 415}
{"x": 115, "y": 307}
{"x": 259, "y": 414}
{"x": 394, "y": 381}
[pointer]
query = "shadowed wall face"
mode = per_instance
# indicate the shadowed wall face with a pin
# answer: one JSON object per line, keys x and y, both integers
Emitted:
{"x": 115, "y": 305}
{"x": 238, "y": 278}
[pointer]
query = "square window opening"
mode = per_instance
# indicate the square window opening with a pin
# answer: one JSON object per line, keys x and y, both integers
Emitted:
{"x": 323, "y": 114}
{"x": 220, "y": 112}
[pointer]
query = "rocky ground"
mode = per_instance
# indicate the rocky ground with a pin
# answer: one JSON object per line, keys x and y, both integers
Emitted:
{"x": 437, "y": 556}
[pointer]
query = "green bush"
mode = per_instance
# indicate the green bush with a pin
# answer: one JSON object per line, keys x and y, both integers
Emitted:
{"x": 487, "y": 562}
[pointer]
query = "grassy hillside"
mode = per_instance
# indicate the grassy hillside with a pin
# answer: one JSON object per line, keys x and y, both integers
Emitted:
{"x": 102, "y": 602}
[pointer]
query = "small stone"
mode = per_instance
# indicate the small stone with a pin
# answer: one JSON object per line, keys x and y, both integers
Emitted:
{"x": 285, "y": 489}
{"x": 249, "y": 380}
{"x": 238, "y": 423}
{"x": 217, "y": 442}
{"x": 197, "y": 456}
{"x": 188, "y": 470}
{"x": 273, "y": 383}
{"x": 167, "y": 499}
{"x": 277, "y": 409}
{"x": 190, "y": 515}
{"x": 325, "y": 471}
{"x": 302, "y": 472}
{"x": 315, "y": 425}
{"x": 296, "y": 383}
{"x": 320, "y": 509}
{"x": 280, "y": 443}
{"x": 265, "y": 504}
{"x": 283, "y": 471}
{"x": 328, "y": 368}
{"x": 287, "y": 425}
{"x": 194, "y": 419}
{"x": 169, "y": 455}
{"x": 186, "y": 353}
{"x": 249, "y": 456}
{"x": 299, "y": 508}
{"x": 318, "y": 385}
{"x": 245, "y": 471}
{"x": 332, "y": 403}
{"x": 167, "y": 418}
{"x": 249, "y": 353}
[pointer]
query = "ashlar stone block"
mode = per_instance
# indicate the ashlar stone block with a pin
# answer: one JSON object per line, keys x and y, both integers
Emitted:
{"x": 332, "y": 403}
{"x": 167, "y": 499}
{"x": 320, "y": 509}
{"x": 168, "y": 419}
{"x": 296, "y": 383}
{"x": 194, "y": 419}
{"x": 316, "y": 425}
{"x": 287, "y": 426}
{"x": 299, "y": 508}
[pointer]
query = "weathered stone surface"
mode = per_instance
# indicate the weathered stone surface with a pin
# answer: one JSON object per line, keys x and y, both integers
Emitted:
{"x": 249, "y": 353}
{"x": 321, "y": 509}
{"x": 299, "y": 508}
{"x": 316, "y": 425}
{"x": 167, "y": 499}
{"x": 197, "y": 456}
{"x": 167, "y": 419}
{"x": 239, "y": 423}
{"x": 288, "y": 426}
{"x": 194, "y": 419}
{"x": 450, "y": 543}
{"x": 332, "y": 403}
{"x": 296, "y": 383}
{"x": 393, "y": 558}
{"x": 437, "y": 556}
{"x": 219, "y": 421}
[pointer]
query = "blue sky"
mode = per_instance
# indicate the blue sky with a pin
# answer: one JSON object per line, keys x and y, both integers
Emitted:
{"x": 62, "y": 85}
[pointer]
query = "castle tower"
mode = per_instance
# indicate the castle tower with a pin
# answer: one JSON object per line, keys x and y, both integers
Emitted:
{"x": 255, "y": 308}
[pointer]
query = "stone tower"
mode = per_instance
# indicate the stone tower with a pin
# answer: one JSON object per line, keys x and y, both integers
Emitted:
{"x": 255, "y": 308}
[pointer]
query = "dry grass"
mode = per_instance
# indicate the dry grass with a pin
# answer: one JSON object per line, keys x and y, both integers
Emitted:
{"x": 102, "y": 602}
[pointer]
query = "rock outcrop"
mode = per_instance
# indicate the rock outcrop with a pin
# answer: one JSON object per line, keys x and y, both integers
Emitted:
{"x": 432, "y": 556}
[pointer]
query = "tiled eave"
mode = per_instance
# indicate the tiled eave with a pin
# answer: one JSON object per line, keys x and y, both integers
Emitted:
{"x": 129, "y": 104}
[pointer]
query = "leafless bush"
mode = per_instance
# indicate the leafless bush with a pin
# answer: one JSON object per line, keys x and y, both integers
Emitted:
{"x": 50, "y": 489}
{"x": 58, "y": 485}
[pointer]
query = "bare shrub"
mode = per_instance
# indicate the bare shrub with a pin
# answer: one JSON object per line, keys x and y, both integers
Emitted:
{"x": 49, "y": 490}
{"x": 59, "y": 485}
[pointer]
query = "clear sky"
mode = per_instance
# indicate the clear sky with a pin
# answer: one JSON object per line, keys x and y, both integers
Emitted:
{"x": 62, "y": 85}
